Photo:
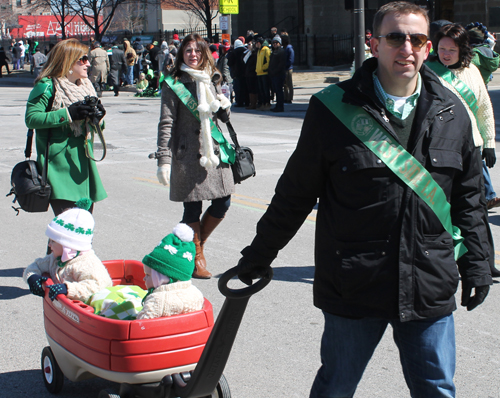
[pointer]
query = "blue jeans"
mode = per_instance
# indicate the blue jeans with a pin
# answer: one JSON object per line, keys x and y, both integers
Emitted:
{"x": 426, "y": 350}
{"x": 489, "y": 192}
{"x": 277, "y": 83}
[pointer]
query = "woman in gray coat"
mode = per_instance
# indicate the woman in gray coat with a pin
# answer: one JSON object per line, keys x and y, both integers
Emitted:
{"x": 194, "y": 164}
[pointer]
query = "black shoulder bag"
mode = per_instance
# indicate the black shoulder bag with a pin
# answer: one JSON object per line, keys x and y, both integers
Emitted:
{"x": 31, "y": 190}
{"x": 243, "y": 166}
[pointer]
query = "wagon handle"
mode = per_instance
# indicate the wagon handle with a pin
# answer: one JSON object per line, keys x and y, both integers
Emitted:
{"x": 245, "y": 292}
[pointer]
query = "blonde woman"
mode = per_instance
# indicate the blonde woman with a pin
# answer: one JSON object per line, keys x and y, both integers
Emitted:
{"x": 55, "y": 108}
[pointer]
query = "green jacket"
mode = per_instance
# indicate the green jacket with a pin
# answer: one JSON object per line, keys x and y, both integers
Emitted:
{"x": 70, "y": 173}
{"x": 486, "y": 61}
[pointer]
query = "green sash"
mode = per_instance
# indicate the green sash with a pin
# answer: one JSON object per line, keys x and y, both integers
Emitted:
{"x": 465, "y": 92}
{"x": 227, "y": 152}
{"x": 402, "y": 163}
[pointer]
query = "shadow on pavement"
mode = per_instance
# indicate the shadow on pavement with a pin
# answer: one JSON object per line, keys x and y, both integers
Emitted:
{"x": 29, "y": 383}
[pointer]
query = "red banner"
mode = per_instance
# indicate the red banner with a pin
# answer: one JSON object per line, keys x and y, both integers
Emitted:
{"x": 48, "y": 26}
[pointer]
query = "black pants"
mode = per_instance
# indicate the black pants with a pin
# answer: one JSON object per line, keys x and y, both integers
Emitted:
{"x": 4, "y": 63}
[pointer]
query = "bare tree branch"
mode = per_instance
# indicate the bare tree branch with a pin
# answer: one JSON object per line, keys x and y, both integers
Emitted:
{"x": 205, "y": 10}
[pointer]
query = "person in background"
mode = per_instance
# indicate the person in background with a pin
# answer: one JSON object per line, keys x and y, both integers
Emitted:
{"x": 99, "y": 63}
{"x": 368, "y": 37}
{"x": 453, "y": 66}
{"x": 290, "y": 59}
{"x": 16, "y": 56}
{"x": 277, "y": 73}
{"x": 38, "y": 61}
{"x": 196, "y": 166}
{"x": 3, "y": 61}
{"x": 237, "y": 68}
{"x": 214, "y": 52}
{"x": 56, "y": 112}
{"x": 223, "y": 67}
{"x": 261, "y": 68}
{"x": 131, "y": 59}
{"x": 250, "y": 61}
{"x": 382, "y": 255}
{"x": 118, "y": 66}
{"x": 153, "y": 53}
{"x": 139, "y": 50}
{"x": 483, "y": 55}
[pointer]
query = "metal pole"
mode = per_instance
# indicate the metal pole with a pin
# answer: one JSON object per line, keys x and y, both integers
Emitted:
{"x": 359, "y": 32}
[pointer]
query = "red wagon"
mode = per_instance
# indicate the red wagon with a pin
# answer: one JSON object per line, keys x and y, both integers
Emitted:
{"x": 150, "y": 358}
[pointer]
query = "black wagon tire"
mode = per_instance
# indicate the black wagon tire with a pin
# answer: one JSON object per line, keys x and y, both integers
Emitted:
{"x": 222, "y": 389}
{"x": 108, "y": 393}
{"x": 53, "y": 377}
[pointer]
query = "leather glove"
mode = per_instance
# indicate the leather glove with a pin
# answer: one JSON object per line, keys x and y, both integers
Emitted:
{"x": 102, "y": 111}
{"x": 35, "y": 282}
{"x": 489, "y": 157}
{"x": 248, "y": 270}
{"x": 57, "y": 289}
{"x": 477, "y": 299}
{"x": 163, "y": 174}
{"x": 77, "y": 111}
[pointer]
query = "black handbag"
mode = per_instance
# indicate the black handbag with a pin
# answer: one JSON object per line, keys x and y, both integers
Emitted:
{"x": 243, "y": 166}
{"x": 31, "y": 190}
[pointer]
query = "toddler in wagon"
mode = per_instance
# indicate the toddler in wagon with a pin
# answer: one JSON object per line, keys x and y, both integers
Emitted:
{"x": 73, "y": 266}
{"x": 168, "y": 269}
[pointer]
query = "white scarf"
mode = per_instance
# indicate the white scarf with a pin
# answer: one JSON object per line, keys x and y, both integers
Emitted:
{"x": 207, "y": 104}
{"x": 67, "y": 93}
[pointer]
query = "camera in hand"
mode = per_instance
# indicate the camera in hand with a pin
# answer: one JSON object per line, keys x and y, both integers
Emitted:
{"x": 95, "y": 114}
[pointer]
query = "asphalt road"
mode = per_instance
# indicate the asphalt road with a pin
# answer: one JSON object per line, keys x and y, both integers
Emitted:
{"x": 276, "y": 352}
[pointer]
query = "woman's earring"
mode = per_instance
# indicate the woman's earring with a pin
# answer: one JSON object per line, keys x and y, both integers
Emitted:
{"x": 71, "y": 71}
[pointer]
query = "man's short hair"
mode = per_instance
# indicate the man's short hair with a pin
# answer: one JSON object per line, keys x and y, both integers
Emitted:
{"x": 401, "y": 8}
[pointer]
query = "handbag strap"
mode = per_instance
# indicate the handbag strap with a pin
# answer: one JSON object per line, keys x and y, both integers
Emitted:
{"x": 45, "y": 169}
{"x": 103, "y": 142}
{"x": 29, "y": 143}
{"x": 233, "y": 136}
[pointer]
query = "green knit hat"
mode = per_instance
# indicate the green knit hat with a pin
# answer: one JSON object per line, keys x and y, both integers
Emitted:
{"x": 174, "y": 256}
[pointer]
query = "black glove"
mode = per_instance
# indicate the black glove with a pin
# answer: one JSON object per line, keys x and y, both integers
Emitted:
{"x": 489, "y": 157}
{"x": 222, "y": 115}
{"x": 477, "y": 299}
{"x": 77, "y": 111}
{"x": 101, "y": 109}
{"x": 248, "y": 270}
{"x": 55, "y": 290}
{"x": 35, "y": 282}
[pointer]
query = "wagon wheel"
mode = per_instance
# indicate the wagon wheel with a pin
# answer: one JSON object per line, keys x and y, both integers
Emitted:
{"x": 222, "y": 389}
{"x": 108, "y": 393}
{"x": 52, "y": 375}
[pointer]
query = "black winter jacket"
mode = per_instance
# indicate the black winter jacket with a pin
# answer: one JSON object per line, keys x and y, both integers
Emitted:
{"x": 380, "y": 250}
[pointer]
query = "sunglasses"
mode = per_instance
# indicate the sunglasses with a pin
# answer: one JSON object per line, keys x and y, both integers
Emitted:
{"x": 84, "y": 59}
{"x": 397, "y": 39}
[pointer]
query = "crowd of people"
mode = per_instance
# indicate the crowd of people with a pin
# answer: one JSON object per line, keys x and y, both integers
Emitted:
{"x": 402, "y": 217}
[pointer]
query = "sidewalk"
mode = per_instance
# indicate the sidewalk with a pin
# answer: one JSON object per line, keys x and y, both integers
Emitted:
{"x": 23, "y": 78}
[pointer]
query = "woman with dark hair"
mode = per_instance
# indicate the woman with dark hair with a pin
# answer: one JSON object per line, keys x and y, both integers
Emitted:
{"x": 56, "y": 112}
{"x": 193, "y": 156}
{"x": 452, "y": 63}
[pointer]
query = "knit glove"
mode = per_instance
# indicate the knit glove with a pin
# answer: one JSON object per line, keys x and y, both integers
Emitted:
{"x": 248, "y": 270}
{"x": 489, "y": 156}
{"x": 77, "y": 111}
{"x": 163, "y": 174}
{"x": 57, "y": 289}
{"x": 477, "y": 299}
{"x": 35, "y": 283}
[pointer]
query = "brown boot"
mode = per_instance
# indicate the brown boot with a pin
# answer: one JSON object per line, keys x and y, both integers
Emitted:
{"x": 200, "y": 265}
{"x": 207, "y": 226}
{"x": 253, "y": 101}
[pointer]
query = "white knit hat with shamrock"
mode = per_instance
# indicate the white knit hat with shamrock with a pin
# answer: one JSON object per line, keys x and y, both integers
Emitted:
{"x": 73, "y": 228}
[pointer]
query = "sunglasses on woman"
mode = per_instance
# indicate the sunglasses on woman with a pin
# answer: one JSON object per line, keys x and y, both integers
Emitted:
{"x": 84, "y": 59}
{"x": 396, "y": 39}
